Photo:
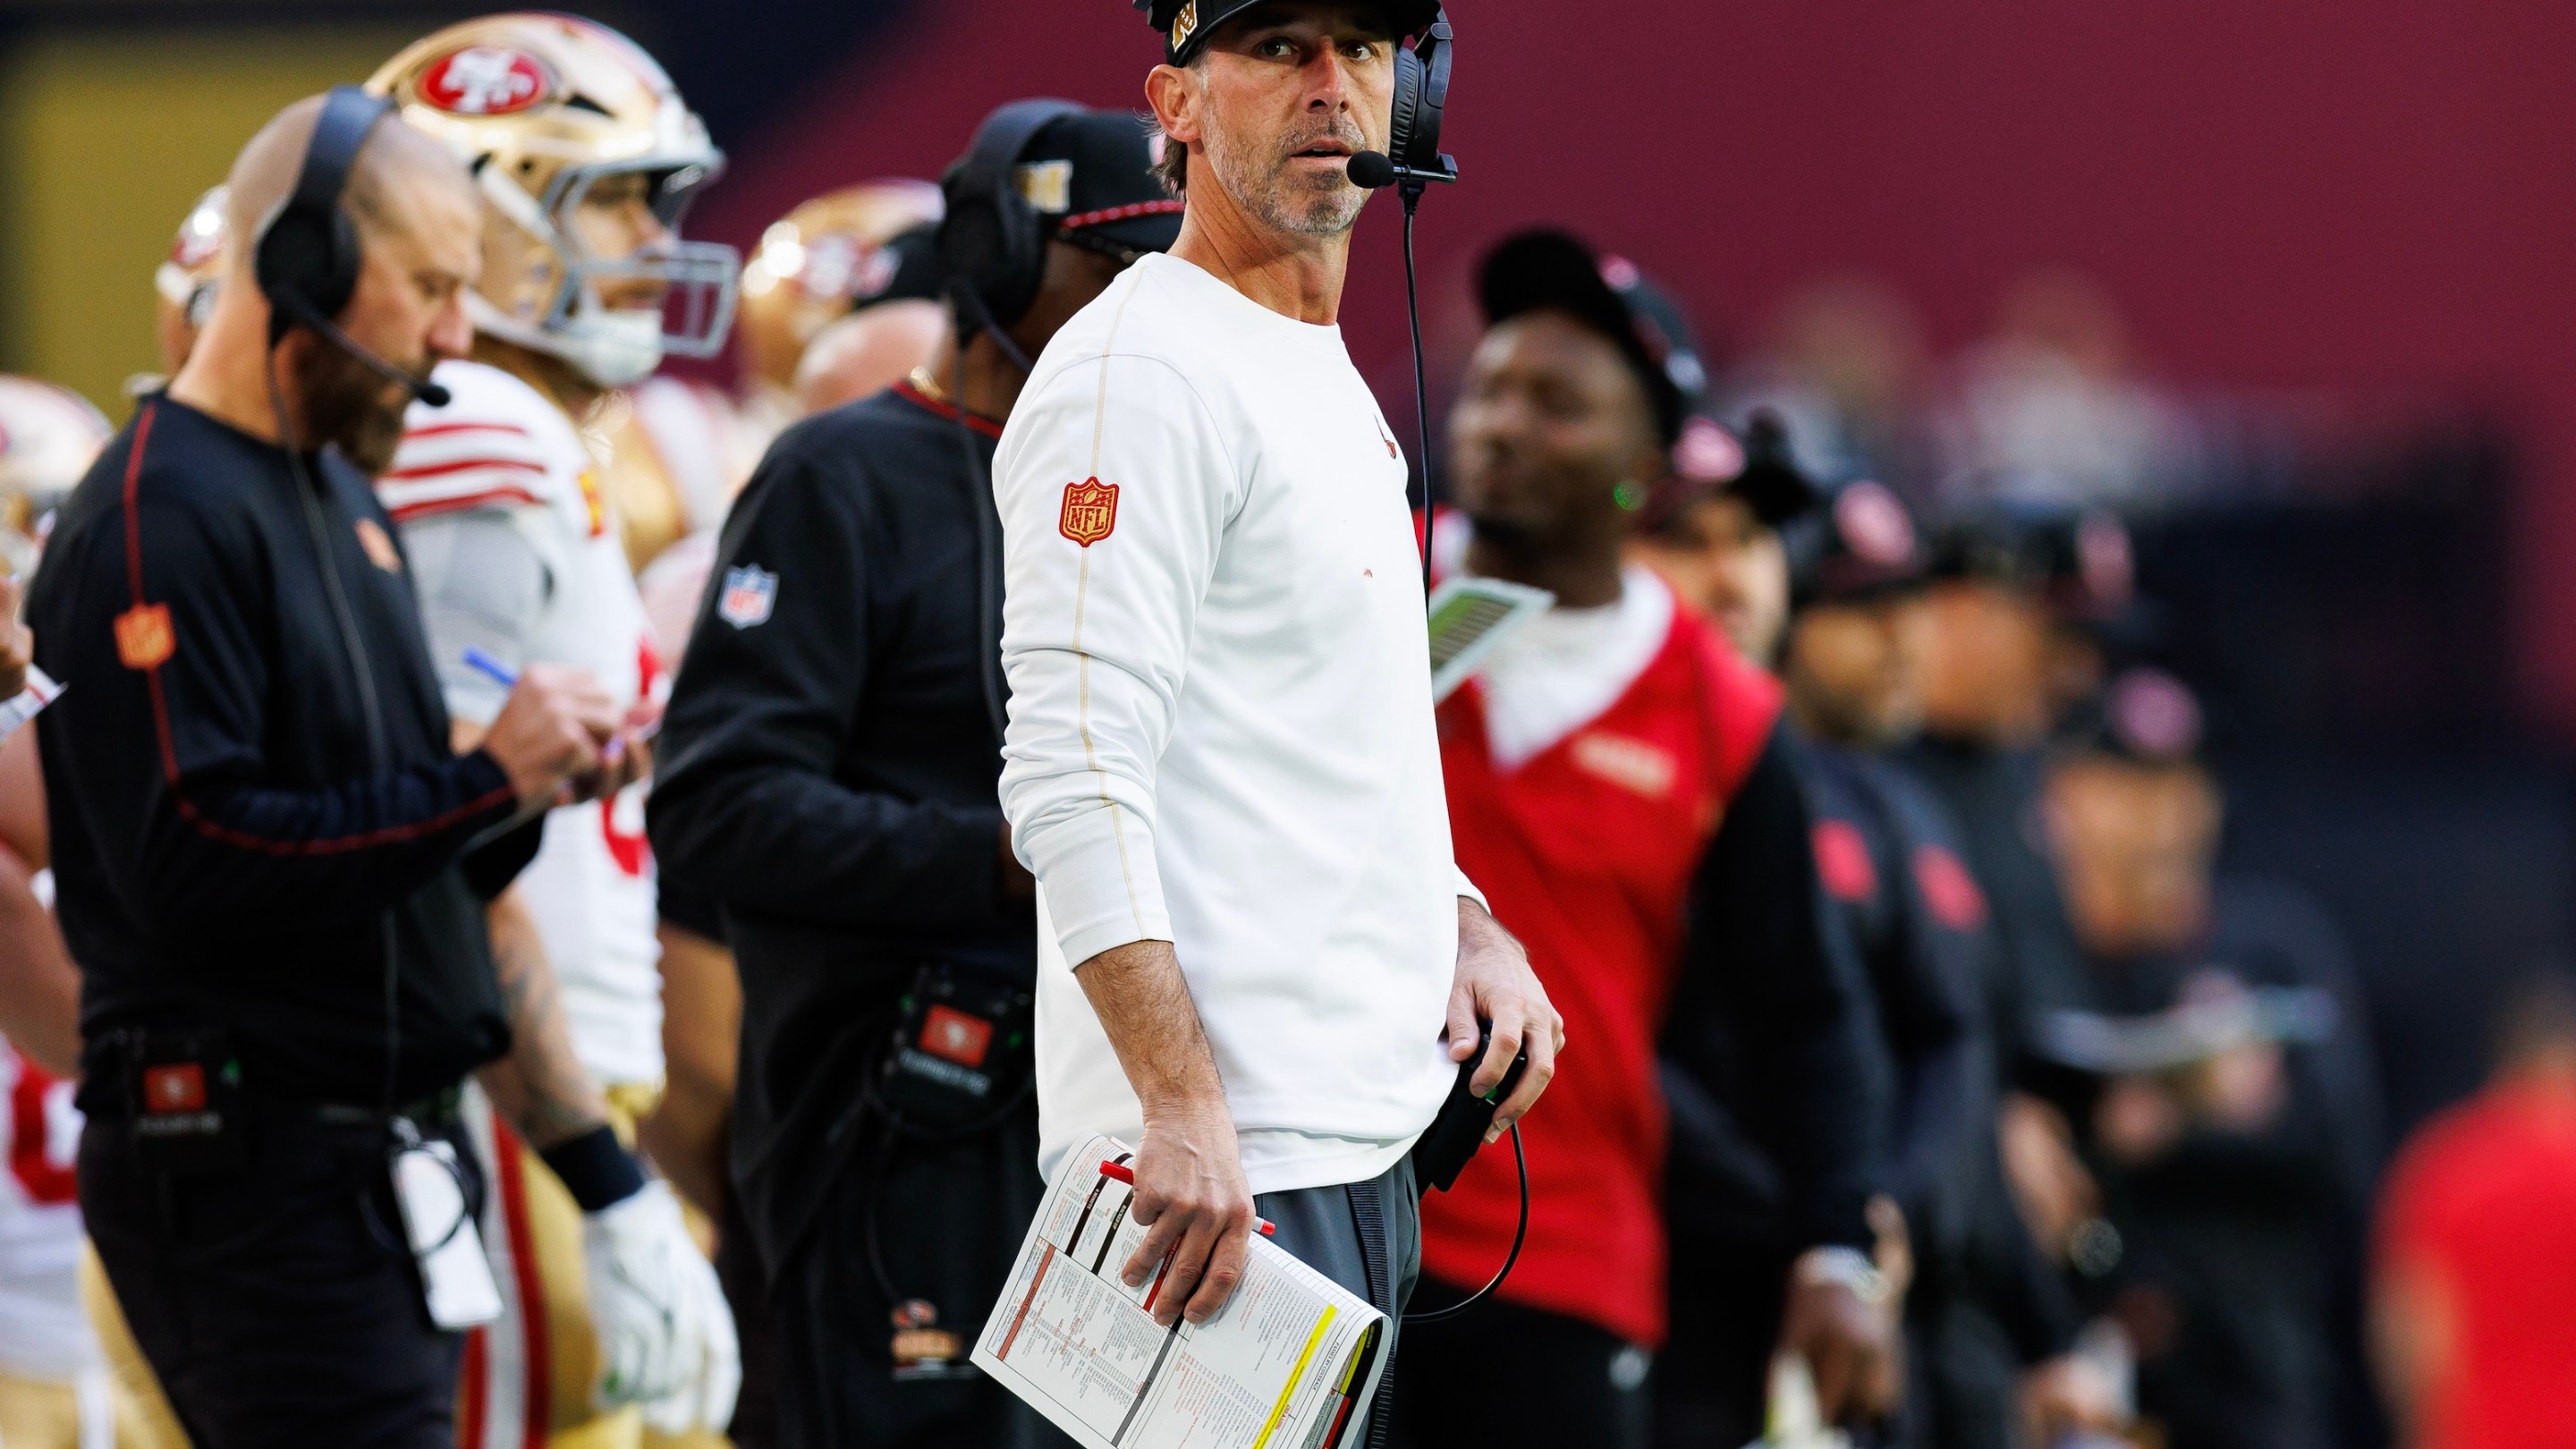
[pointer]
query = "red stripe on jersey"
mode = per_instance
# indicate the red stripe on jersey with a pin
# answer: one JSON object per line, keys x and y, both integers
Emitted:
{"x": 461, "y": 465}
{"x": 481, "y": 498}
{"x": 442, "y": 430}
{"x": 536, "y": 1365}
{"x": 477, "y": 1392}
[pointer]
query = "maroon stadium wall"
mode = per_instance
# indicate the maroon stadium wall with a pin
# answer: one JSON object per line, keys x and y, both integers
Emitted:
{"x": 2376, "y": 197}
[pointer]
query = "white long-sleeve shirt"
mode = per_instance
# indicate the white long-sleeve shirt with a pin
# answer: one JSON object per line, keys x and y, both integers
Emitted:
{"x": 1220, "y": 722}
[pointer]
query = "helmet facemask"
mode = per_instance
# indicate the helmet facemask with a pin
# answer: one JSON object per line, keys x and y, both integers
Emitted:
{"x": 575, "y": 302}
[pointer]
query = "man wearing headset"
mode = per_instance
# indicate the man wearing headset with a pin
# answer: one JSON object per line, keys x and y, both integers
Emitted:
{"x": 1258, "y": 962}
{"x": 270, "y": 863}
{"x": 828, "y": 775}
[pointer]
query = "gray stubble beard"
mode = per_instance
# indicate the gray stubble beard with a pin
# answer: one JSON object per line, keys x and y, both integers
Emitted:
{"x": 1331, "y": 210}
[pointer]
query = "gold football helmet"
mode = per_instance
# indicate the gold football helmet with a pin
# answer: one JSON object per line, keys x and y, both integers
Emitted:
{"x": 819, "y": 261}
{"x": 188, "y": 278}
{"x": 587, "y": 159}
{"x": 48, "y": 438}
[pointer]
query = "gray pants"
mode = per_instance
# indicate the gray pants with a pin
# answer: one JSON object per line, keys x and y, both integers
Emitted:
{"x": 1324, "y": 1228}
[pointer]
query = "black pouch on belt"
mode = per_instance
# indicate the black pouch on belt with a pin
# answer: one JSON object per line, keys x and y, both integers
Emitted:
{"x": 184, "y": 1090}
{"x": 960, "y": 1059}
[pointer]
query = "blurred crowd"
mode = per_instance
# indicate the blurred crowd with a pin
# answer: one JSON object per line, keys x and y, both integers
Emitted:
{"x": 2115, "y": 1111}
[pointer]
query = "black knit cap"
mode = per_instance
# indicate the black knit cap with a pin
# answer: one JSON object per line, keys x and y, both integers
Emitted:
{"x": 1185, "y": 25}
{"x": 1547, "y": 269}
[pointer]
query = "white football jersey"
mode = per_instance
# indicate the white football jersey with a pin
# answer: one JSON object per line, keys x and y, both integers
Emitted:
{"x": 500, "y": 447}
{"x": 44, "y": 1333}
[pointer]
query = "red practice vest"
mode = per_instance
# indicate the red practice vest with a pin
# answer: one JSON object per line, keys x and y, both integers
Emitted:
{"x": 1587, "y": 852}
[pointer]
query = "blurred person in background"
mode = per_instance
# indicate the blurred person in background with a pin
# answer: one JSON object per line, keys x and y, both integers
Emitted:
{"x": 586, "y": 160}
{"x": 837, "y": 305}
{"x": 184, "y": 286}
{"x": 308, "y": 854}
{"x": 2001, "y": 659}
{"x": 1711, "y": 530}
{"x": 2235, "y": 1125}
{"x": 866, "y": 249}
{"x": 841, "y": 302}
{"x": 1844, "y": 366}
{"x": 881, "y": 339}
{"x": 1989, "y": 1324}
{"x": 2050, "y": 411}
{"x": 835, "y": 736}
{"x": 1616, "y": 781}
{"x": 2475, "y": 1263}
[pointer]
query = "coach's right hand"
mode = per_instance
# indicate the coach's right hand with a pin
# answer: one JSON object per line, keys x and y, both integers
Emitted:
{"x": 550, "y": 731}
{"x": 1191, "y": 1194}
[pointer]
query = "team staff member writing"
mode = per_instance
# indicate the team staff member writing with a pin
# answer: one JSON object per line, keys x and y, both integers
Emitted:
{"x": 265, "y": 850}
{"x": 1220, "y": 763}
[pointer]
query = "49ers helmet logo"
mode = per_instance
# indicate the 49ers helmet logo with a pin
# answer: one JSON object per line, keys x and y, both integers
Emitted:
{"x": 1090, "y": 511}
{"x": 485, "y": 80}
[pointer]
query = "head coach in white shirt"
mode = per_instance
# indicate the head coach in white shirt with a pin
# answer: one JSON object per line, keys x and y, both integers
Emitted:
{"x": 1257, "y": 960}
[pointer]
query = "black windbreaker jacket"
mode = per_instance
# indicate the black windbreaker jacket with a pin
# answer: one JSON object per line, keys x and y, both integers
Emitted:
{"x": 236, "y": 844}
{"x": 830, "y": 769}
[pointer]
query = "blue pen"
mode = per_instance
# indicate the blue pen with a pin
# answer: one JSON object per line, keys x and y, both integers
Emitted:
{"x": 508, "y": 678}
{"x": 491, "y": 668}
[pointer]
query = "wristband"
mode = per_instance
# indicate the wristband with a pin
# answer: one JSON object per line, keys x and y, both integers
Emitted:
{"x": 1849, "y": 1268}
{"x": 595, "y": 1169}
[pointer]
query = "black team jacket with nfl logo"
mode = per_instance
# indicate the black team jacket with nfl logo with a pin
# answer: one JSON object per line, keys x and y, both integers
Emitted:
{"x": 828, "y": 770}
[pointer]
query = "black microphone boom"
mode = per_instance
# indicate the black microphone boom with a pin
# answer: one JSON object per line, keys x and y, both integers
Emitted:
{"x": 1376, "y": 171}
{"x": 302, "y": 313}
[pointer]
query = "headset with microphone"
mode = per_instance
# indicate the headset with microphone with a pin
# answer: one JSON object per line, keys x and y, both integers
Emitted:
{"x": 992, "y": 259}
{"x": 308, "y": 257}
{"x": 992, "y": 243}
{"x": 1412, "y": 161}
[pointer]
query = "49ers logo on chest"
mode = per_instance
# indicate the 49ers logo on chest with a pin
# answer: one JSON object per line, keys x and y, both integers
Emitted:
{"x": 485, "y": 80}
{"x": 1090, "y": 511}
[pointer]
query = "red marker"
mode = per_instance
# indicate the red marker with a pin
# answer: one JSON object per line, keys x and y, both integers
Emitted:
{"x": 1121, "y": 1172}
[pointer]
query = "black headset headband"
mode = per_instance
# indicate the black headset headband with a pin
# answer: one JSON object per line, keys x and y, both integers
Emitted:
{"x": 991, "y": 246}
{"x": 1001, "y": 140}
{"x": 308, "y": 255}
{"x": 349, "y": 116}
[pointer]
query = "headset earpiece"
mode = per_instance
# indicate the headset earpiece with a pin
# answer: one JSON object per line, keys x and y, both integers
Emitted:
{"x": 1421, "y": 98}
{"x": 307, "y": 257}
{"x": 991, "y": 245}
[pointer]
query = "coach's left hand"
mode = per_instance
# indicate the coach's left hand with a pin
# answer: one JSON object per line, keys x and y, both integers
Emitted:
{"x": 1495, "y": 984}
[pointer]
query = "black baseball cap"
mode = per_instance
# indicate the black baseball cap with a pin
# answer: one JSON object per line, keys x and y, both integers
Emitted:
{"x": 1758, "y": 468}
{"x": 1860, "y": 545}
{"x": 1090, "y": 177}
{"x": 1186, "y": 24}
{"x": 1548, "y": 269}
{"x": 2144, "y": 715}
{"x": 2078, "y": 560}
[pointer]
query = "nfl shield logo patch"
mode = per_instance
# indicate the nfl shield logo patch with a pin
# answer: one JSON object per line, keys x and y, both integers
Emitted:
{"x": 1090, "y": 511}
{"x": 749, "y": 594}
